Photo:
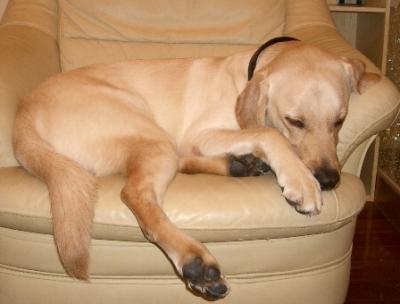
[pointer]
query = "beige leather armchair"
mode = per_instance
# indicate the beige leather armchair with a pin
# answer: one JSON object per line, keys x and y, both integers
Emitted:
{"x": 269, "y": 253}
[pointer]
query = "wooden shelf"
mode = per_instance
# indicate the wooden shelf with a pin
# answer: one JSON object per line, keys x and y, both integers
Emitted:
{"x": 357, "y": 9}
{"x": 365, "y": 27}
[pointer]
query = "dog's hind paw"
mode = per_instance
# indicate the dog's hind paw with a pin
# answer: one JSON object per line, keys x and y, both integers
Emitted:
{"x": 247, "y": 165}
{"x": 204, "y": 279}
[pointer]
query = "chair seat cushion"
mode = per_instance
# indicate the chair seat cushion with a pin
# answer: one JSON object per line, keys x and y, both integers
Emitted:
{"x": 210, "y": 208}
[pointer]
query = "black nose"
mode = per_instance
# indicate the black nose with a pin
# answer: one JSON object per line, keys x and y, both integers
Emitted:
{"x": 327, "y": 178}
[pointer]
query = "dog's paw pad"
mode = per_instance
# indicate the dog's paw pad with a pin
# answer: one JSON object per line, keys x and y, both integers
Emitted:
{"x": 236, "y": 167}
{"x": 205, "y": 279}
{"x": 218, "y": 290}
{"x": 247, "y": 165}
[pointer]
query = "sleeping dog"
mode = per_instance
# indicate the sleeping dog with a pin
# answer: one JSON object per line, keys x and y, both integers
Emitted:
{"x": 185, "y": 115}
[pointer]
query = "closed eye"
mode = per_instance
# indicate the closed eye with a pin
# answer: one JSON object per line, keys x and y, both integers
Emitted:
{"x": 297, "y": 123}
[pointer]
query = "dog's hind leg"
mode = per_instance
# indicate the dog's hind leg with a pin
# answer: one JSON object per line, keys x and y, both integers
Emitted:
{"x": 151, "y": 167}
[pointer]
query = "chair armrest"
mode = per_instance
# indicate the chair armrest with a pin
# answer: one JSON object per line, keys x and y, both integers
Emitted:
{"x": 303, "y": 14}
{"x": 28, "y": 55}
{"x": 329, "y": 38}
{"x": 311, "y": 21}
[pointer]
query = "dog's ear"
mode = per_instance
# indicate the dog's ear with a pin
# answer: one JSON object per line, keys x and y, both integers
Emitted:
{"x": 251, "y": 104}
{"x": 359, "y": 80}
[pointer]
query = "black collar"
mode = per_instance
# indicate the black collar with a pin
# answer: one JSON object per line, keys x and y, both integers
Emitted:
{"x": 253, "y": 60}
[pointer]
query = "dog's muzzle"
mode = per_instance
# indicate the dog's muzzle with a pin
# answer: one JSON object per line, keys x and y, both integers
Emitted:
{"x": 328, "y": 178}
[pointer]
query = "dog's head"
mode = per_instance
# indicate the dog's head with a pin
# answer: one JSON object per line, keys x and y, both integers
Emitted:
{"x": 304, "y": 92}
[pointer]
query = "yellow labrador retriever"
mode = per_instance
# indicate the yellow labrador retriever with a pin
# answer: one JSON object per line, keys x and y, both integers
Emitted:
{"x": 151, "y": 119}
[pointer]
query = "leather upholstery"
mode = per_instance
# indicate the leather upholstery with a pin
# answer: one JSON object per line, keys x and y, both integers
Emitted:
{"x": 163, "y": 29}
{"x": 305, "y": 269}
{"x": 269, "y": 253}
{"x": 29, "y": 54}
{"x": 227, "y": 208}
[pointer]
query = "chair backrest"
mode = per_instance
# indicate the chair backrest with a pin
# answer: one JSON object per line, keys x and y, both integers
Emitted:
{"x": 92, "y": 31}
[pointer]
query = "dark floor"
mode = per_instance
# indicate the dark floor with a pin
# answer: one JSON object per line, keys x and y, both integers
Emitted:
{"x": 375, "y": 273}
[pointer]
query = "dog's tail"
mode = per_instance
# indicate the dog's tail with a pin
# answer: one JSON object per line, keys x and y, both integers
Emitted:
{"x": 72, "y": 193}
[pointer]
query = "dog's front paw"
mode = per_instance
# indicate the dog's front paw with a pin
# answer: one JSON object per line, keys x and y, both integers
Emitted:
{"x": 303, "y": 192}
